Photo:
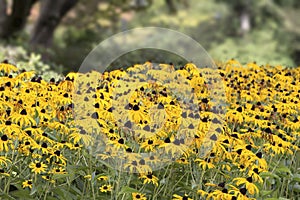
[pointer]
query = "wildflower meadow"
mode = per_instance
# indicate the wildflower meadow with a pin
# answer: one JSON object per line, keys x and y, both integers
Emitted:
{"x": 69, "y": 138}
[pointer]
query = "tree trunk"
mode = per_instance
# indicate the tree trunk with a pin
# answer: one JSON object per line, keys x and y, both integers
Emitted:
{"x": 51, "y": 13}
{"x": 3, "y": 16}
{"x": 15, "y": 22}
{"x": 171, "y": 5}
{"x": 186, "y": 3}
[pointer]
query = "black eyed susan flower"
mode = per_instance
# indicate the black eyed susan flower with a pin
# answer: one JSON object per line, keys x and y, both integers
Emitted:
{"x": 248, "y": 182}
{"x": 102, "y": 178}
{"x": 5, "y": 143}
{"x": 57, "y": 156}
{"x": 136, "y": 165}
{"x": 202, "y": 193}
{"x": 88, "y": 177}
{"x": 58, "y": 170}
{"x": 183, "y": 160}
{"x": 48, "y": 178}
{"x": 149, "y": 178}
{"x": 174, "y": 146}
{"x": 23, "y": 118}
{"x": 3, "y": 173}
{"x": 205, "y": 163}
{"x": 7, "y": 68}
{"x": 262, "y": 119}
{"x": 150, "y": 143}
{"x": 45, "y": 148}
{"x": 219, "y": 194}
{"x": 178, "y": 197}
{"x": 11, "y": 129}
{"x": 138, "y": 196}
{"x": 105, "y": 188}
{"x": 240, "y": 193}
{"x": 27, "y": 75}
{"x": 27, "y": 183}
{"x": 37, "y": 167}
{"x": 137, "y": 113}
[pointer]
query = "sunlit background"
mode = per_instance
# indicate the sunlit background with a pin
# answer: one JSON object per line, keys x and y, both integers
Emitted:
{"x": 63, "y": 32}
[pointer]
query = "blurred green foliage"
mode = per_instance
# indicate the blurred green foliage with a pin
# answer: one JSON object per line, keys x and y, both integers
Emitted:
{"x": 30, "y": 62}
{"x": 259, "y": 47}
{"x": 274, "y": 36}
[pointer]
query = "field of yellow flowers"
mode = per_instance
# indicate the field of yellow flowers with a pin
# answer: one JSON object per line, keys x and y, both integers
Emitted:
{"x": 79, "y": 138}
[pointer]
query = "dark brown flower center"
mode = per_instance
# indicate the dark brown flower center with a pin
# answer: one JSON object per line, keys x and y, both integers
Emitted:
{"x": 4, "y": 138}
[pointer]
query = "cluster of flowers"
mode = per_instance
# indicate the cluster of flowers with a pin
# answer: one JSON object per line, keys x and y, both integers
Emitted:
{"x": 137, "y": 120}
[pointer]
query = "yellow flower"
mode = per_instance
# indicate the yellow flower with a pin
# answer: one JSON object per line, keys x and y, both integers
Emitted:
{"x": 105, "y": 188}
{"x": 136, "y": 165}
{"x": 204, "y": 164}
{"x": 149, "y": 144}
{"x": 37, "y": 167}
{"x": 183, "y": 160}
{"x": 149, "y": 178}
{"x": 7, "y": 68}
{"x": 138, "y": 196}
{"x": 58, "y": 170}
{"x": 174, "y": 146}
{"x": 239, "y": 193}
{"x": 25, "y": 75}
{"x": 202, "y": 193}
{"x": 27, "y": 183}
{"x": 178, "y": 197}
{"x": 137, "y": 113}
{"x": 219, "y": 194}
{"x": 4, "y": 160}
{"x": 250, "y": 186}
{"x": 5, "y": 143}
{"x": 102, "y": 178}
{"x": 2, "y": 172}
{"x": 88, "y": 177}
{"x": 47, "y": 178}
{"x": 23, "y": 118}
{"x": 118, "y": 143}
{"x": 58, "y": 157}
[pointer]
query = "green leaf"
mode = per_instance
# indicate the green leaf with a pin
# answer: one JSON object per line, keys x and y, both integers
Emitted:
{"x": 51, "y": 198}
{"x": 280, "y": 198}
{"x": 59, "y": 176}
{"x": 23, "y": 194}
{"x": 265, "y": 193}
{"x": 75, "y": 190}
{"x": 93, "y": 176}
{"x": 284, "y": 169}
{"x": 296, "y": 178}
{"x": 51, "y": 136}
{"x": 276, "y": 179}
{"x": 6, "y": 196}
{"x": 14, "y": 168}
{"x": 71, "y": 172}
{"x": 33, "y": 190}
{"x": 81, "y": 172}
{"x": 127, "y": 189}
{"x": 269, "y": 174}
{"x": 63, "y": 193}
